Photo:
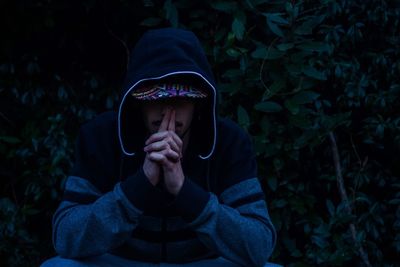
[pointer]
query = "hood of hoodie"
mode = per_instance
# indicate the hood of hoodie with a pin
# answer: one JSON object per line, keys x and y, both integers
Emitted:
{"x": 160, "y": 55}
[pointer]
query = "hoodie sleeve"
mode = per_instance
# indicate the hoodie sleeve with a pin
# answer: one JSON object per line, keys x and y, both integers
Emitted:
{"x": 92, "y": 220}
{"x": 235, "y": 224}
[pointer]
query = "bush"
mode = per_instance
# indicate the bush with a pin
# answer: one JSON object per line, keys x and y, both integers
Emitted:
{"x": 297, "y": 75}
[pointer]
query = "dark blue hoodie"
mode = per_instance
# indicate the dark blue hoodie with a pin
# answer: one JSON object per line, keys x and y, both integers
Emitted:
{"x": 109, "y": 206}
{"x": 165, "y": 54}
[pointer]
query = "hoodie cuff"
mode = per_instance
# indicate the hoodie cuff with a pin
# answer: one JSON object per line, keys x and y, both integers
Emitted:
{"x": 140, "y": 192}
{"x": 191, "y": 200}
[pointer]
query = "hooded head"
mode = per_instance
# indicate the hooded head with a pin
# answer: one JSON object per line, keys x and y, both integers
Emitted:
{"x": 164, "y": 57}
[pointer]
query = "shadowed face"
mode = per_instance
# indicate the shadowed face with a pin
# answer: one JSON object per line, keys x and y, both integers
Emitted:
{"x": 154, "y": 110}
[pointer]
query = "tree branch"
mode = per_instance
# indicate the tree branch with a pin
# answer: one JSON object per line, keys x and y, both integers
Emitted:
{"x": 344, "y": 198}
{"x": 6, "y": 119}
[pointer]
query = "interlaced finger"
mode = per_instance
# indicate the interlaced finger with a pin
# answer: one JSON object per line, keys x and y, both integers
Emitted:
{"x": 162, "y": 145}
{"x": 165, "y": 157}
{"x": 165, "y": 135}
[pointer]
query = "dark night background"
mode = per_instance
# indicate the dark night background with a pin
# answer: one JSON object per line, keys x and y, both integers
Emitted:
{"x": 294, "y": 74}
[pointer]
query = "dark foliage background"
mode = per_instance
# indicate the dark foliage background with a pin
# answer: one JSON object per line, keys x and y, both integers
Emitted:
{"x": 292, "y": 73}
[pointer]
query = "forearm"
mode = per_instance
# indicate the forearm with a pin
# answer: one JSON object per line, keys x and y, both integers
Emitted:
{"x": 241, "y": 238}
{"x": 237, "y": 228}
{"x": 87, "y": 229}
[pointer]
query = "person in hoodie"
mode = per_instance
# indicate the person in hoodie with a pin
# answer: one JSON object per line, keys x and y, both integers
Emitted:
{"x": 164, "y": 181}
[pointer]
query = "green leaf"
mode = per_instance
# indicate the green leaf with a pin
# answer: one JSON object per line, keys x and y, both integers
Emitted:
{"x": 253, "y": 3}
{"x": 109, "y": 102}
{"x": 238, "y": 28}
{"x": 275, "y": 28}
{"x": 294, "y": 69}
{"x": 263, "y": 53}
{"x": 232, "y": 73}
{"x": 304, "y": 29}
{"x": 276, "y": 86}
{"x": 224, "y": 6}
{"x": 62, "y": 93}
{"x": 300, "y": 121}
{"x": 277, "y": 18}
{"x": 7, "y": 206}
{"x": 93, "y": 83}
{"x": 151, "y": 22}
{"x": 331, "y": 207}
{"x": 243, "y": 117}
{"x": 314, "y": 46}
{"x": 394, "y": 202}
{"x": 307, "y": 26}
{"x": 171, "y": 13}
{"x": 274, "y": 54}
{"x": 274, "y": 20}
{"x": 10, "y": 139}
{"x": 268, "y": 106}
{"x": 233, "y": 52}
{"x": 273, "y": 183}
{"x": 300, "y": 57}
{"x": 280, "y": 203}
{"x": 314, "y": 73}
{"x": 320, "y": 241}
{"x": 28, "y": 210}
{"x": 285, "y": 46}
{"x": 305, "y": 97}
{"x": 292, "y": 106}
{"x": 259, "y": 53}
{"x": 230, "y": 39}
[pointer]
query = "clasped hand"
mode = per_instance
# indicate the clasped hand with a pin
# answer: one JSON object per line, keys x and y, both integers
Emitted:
{"x": 164, "y": 150}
